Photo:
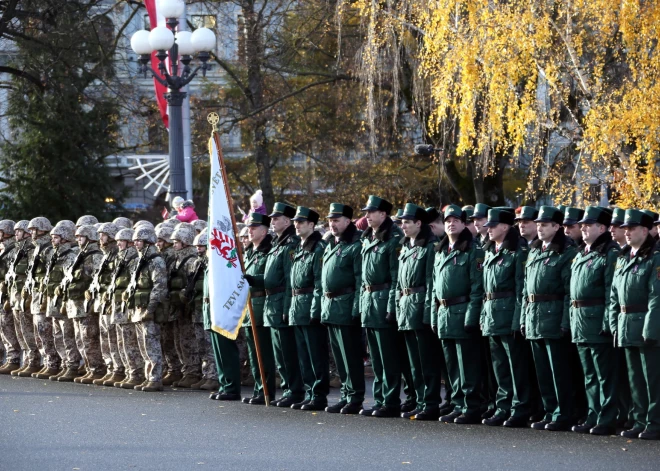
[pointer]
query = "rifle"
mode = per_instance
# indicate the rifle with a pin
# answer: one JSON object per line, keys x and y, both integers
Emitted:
{"x": 191, "y": 292}
{"x": 132, "y": 285}
{"x": 68, "y": 275}
{"x": 10, "y": 277}
{"x": 110, "y": 292}
{"x": 49, "y": 269}
{"x": 31, "y": 272}
{"x": 95, "y": 287}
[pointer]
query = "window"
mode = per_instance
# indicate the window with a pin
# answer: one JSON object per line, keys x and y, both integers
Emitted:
{"x": 203, "y": 21}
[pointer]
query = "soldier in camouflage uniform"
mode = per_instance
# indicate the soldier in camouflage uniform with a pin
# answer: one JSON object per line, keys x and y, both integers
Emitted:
{"x": 15, "y": 279}
{"x": 31, "y": 295}
{"x": 63, "y": 255}
{"x": 127, "y": 341}
{"x": 100, "y": 283}
{"x": 200, "y": 225}
{"x": 188, "y": 344}
{"x": 147, "y": 298}
{"x": 86, "y": 324}
{"x": 169, "y": 331}
{"x": 7, "y": 328}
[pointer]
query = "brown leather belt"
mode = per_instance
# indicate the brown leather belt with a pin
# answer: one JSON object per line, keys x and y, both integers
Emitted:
{"x": 334, "y": 294}
{"x": 372, "y": 288}
{"x": 409, "y": 291}
{"x": 499, "y": 295}
{"x": 634, "y": 308}
{"x": 587, "y": 302}
{"x": 452, "y": 301}
{"x": 539, "y": 298}
{"x": 258, "y": 294}
{"x": 279, "y": 289}
{"x": 298, "y": 292}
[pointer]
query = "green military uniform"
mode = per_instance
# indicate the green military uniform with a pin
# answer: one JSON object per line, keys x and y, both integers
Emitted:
{"x": 545, "y": 320}
{"x": 255, "y": 263}
{"x": 504, "y": 275}
{"x": 458, "y": 297}
{"x": 380, "y": 252}
{"x": 305, "y": 315}
{"x": 635, "y": 323}
{"x": 591, "y": 280}
{"x": 341, "y": 278}
{"x": 277, "y": 283}
{"x": 414, "y": 301}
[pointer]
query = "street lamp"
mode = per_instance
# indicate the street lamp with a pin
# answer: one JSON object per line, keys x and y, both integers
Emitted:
{"x": 174, "y": 46}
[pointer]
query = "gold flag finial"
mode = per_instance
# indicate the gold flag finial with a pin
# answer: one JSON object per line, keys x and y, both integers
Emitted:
{"x": 213, "y": 119}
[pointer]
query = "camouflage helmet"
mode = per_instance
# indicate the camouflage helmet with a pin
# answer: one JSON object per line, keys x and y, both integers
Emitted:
{"x": 88, "y": 231}
{"x": 108, "y": 228}
{"x": 146, "y": 234}
{"x": 185, "y": 233}
{"x": 65, "y": 231}
{"x": 124, "y": 234}
{"x": 171, "y": 222}
{"x": 69, "y": 225}
{"x": 22, "y": 225}
{"x": 86, "y": 221}
{"x": 96, "y": 226}
{"x": 123, "y": 223}
{"x": 7, "y": 226}
{"x": 199, "y": 225}
{"x": 40, "y": 223}
{"x": 165, "y": 232}
{"x": 143, "y": 223}
{"x": 201, "y": 239}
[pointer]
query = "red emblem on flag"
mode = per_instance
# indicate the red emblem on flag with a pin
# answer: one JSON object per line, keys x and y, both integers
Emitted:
{"x": 225, "y": 246}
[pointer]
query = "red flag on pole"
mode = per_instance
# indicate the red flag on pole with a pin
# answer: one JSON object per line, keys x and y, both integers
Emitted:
{"x": 160, "y": 89}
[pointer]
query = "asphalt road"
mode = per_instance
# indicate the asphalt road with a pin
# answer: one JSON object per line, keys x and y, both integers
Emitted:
{"x": 54, "y": 426}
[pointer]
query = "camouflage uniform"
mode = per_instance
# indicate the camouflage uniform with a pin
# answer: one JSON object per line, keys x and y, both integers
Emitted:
{"x": 8, "y": 250}
{"x": 149, "y": 304}
{"x": 86, "y": 324}
{"x": 127, "y": 341}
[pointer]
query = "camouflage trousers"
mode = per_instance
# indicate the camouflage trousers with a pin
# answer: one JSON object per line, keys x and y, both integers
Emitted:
{"x": 25, "y": 334}
{"x": 148, "y": 334}
{"x": 109, "y": 345}
{"x": 89, "y": 345}
{"x": 168, "y": 334}
{"x": 43, "y": 329}
{"x": 203, "y": 338}
{"x": 64, "y": 335}
{"x": 129, "y": 349}
{"x": 9, "y": 337}
{"x": 188, "y": 347}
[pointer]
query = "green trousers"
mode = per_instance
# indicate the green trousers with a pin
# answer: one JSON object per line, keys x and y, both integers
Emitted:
{"x": 225, "y": 352}
{"x": 424, "y": 350}
{"x": 644, "y": 376}
{"x": 489, "y": 388}
{"x": 463, "y": 358}
{"x": 266, "y": 350}
{"x": 600, "y": 368}
{"x": 386, "y": 365}
{"x": 287, "y": 362}
{"x": 551, "y": 357}
{"x": 407, "y": 380}
{"x": 511, "y": 369}
{"x": 312, "y": 342}
{"x": 624, "y": 401}
{"x": 346, "y": 345}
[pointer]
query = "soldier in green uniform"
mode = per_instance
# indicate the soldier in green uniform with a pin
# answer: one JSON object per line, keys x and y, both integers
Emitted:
{"x": 545, "y": 317}
{"x": 397, "y": 218}
{"x": 571, "y": 225}
{"x": 414, "y": 301}
{"x": 436, "y": 223}
{"x": 504, "y": 274}
{"x": 593, "y": 269}
{"x": 479, "y": 217}
{"x": 341, "y": 279}
{"x": 256, "y": 254}
{"x": 635, "y": 321}
{"x": 654, "y": 229}
{"x": 618, "y": 233}
{"x": 381, "y": 245}
{"x": 305, "y": 312}
{"x": 277, "y": 283}
{"x": 525, "y": 217}
{"x": 458, "y": 297}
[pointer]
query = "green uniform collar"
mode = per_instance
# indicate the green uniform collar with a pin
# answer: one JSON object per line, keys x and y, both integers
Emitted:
{"x": 384, "y": 232}
{"x": 558, "y": 244}
{"x": 645, "y": 251}
{"x": 511, "y": 241}
{"x": 463, "y": 244}
{"x": 424, "y": 237}
{"x": 310, "y": 244}
{"x": 286, "y": 236}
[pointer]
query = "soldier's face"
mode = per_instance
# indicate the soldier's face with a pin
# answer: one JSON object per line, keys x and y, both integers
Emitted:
{"x": 178, "y": 245}
{"x": 573, "y": 232}
{"x": 201, "y": 249}
{"x": 161, "y": 244}
{"x": 471, "y": 227}
{"x": 453, "y": 225}
{"x": 618, "y": 234}
{"x": 338, "y": 225}
{"x": 82, "y": 240}
{"x": 55, "y": 240}
{"x": 591, "y": 232}
{"x": 411, "y": 228}
{"x": 375, "y": 218}
{"x": 257, "y": 233}
{"x": 34, "y": 233}
{"x": 245, "y": 240}
{"x": 139, "y": 244}
{"x": 654, "y": 231}
{"x": 280, "y": 223}
{"x": 20, "y": 233}
{"x": 527, "y": 228}
{"x": 105, "y": 239}
{"x": 122, "y": 244}
{"x": 479, "y": 225}
{"x": 497, "y": 233}
{"x": 636, "y": 235}
{"x": 547, "y": 230}
{"x": 438, "y": 228}
{"x": 304, "y": 228}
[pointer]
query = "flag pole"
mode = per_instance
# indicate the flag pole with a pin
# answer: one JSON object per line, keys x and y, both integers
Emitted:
{"x": 239, "y": 249}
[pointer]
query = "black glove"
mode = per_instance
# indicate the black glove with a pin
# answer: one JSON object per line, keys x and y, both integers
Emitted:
{"x": 390, "y": 318}
{"x": 602, "y": 333}
{"x": 471, "y": 329}
{"x": 285, "y": 319}
{"x": 434, "y": 328}
{"x": 357, "y": 320}
{"x": 650, "y": 342}
{"x": 249, "y": 279}
{"x": 523, "y": 331}
{"x": 314, "y": 321}
{"x": 566, "y": 332}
